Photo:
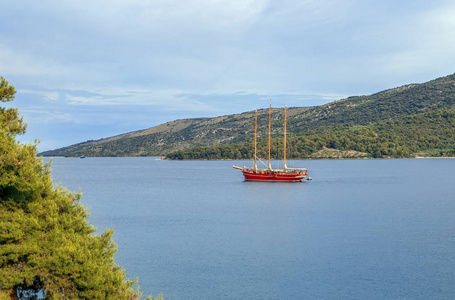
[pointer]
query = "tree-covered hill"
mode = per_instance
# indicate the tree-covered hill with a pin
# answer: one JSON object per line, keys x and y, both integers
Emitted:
{"x": 414, "y": 119}
{"x": 173, "y": 136}
{"x": 426, "y": 134}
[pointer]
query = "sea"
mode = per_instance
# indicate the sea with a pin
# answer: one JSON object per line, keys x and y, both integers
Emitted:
{"x": 360, "y": 229}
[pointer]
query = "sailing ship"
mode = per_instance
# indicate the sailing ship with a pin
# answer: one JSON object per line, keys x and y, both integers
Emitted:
{"x": 270, "y": 174}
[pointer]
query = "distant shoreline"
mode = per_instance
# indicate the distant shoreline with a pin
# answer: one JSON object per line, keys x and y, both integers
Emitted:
{"x": 230, "y": 159}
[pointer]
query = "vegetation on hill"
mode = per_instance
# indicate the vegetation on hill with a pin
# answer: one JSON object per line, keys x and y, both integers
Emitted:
{"x": 412, "y": 120}
{"x": 47, "y": 248}
{"x": 170, "y": 137}
{"x": 425, "y": 134}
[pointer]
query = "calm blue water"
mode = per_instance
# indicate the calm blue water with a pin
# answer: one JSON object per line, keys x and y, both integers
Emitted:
{"x": 362, "y": 229}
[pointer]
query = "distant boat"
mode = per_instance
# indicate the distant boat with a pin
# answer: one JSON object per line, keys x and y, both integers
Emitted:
{"x": 82, "y": 156}
{"x": 269, "y": 174}
{"x": 161, "y": 158}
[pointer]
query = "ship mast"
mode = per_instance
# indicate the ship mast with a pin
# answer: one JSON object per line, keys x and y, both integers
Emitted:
{"x": 285, "y": 137}
{"x": 270, "y": 126}
{"x": 255, "y": 138}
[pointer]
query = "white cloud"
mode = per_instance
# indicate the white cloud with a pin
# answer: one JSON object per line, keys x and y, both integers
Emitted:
{"x": 418, "y": 47}
{"x": 37, "y": 116}
{"x": 438, "y": 32}
{"x": 176, "y": 59}
{"x": 19, "y": 63}
{"x": 205, "y": 15}
{"x": 52, "y": 96}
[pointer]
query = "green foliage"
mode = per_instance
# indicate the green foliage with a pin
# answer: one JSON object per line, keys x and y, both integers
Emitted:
{"x": 46, "y": 243}
{"x": 408, "y": 121}
{"x": 431, "y": 133}
{"x": 402, "y": 122}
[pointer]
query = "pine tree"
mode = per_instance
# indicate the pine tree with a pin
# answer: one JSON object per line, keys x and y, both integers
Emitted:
{"x": 47, "y": 248}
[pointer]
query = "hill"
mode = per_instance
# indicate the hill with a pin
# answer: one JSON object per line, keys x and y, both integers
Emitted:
{"x": 415, "y": 119}
{"x": 173, "y": 136}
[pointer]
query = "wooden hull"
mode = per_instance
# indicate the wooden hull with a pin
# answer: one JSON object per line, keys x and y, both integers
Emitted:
{"x": 273, "y": 175}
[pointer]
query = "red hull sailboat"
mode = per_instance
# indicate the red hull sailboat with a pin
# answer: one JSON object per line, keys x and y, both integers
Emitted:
{"x": 269, "y": 174}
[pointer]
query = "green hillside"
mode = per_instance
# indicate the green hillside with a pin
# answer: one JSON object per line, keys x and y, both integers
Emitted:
{"x": 412, "y": 120}
{"x": 425, "y": 134}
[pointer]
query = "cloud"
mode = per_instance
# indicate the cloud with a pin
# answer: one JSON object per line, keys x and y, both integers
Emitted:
{"x": 41, "y": 116}
{"x": 215, "y": 46}
{"x": 123, "y": 65}
{"x": 20, "y": 63}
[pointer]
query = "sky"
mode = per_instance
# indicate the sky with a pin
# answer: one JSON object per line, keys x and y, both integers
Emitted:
{"x": 86, "y": 70}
